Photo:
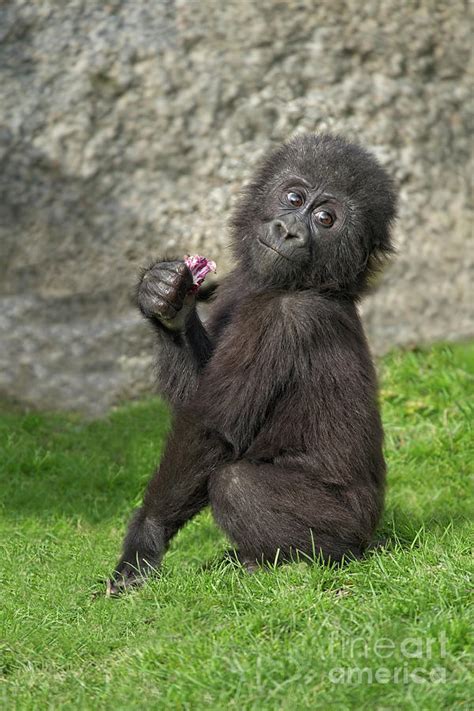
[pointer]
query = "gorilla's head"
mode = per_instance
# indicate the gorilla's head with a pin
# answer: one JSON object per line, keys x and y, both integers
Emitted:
{"x": 317, "y": 213}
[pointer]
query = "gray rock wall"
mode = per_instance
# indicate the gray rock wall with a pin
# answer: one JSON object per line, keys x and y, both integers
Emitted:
{"x": 126, "y": 129}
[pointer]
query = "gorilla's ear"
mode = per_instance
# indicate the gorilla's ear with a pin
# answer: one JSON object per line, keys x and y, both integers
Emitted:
{"x": 383, "y": 219}
{"x": 382, "y": 249}
{"x": 383, "y": 243}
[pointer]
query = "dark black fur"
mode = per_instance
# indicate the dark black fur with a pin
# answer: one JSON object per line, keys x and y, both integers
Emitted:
{"x": 276, "y": 423}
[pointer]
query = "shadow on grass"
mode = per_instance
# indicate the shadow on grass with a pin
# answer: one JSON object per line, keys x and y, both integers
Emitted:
{"x": 56, "y": 465}
{"x": 59, "y": 466}
{"x": 402, "y": 528}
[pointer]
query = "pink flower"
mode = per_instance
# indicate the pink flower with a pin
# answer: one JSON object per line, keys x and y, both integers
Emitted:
{"x": 199, "y": 268}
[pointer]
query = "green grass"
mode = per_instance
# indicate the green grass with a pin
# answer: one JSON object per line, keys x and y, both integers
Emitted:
{"x": 213, "y": 637}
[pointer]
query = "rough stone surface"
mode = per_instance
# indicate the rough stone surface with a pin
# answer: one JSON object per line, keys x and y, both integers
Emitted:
{"x": 126, "y": 129}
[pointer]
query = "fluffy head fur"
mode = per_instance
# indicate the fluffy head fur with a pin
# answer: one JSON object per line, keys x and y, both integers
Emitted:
{"x": 337, "y": 259}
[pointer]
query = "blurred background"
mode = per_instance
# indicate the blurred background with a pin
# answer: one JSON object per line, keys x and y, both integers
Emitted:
{"x": 128, "y": 128}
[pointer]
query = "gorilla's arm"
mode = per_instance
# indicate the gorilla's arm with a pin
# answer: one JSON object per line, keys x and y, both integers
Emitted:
{"x": 183, "y": 342}
{"x": 181, "y": 357}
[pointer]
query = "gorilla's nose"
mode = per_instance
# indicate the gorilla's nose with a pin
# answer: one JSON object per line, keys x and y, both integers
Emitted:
{"x": 290, "y": 229}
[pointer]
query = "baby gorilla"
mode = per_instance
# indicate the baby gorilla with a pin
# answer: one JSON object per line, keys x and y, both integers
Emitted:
{"x": 276, "y": 423}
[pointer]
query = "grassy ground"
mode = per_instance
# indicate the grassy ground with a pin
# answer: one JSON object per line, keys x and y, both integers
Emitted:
{"x": 390, "y": 632}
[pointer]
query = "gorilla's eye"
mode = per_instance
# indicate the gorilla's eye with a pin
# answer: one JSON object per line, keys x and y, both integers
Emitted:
{"x": 324, "y": 218}
{"x": 295, "y": 199}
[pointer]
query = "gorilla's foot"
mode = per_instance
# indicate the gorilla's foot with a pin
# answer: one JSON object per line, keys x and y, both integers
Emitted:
{"x": 250, "y": 565}
{"x": 127, "y": 576}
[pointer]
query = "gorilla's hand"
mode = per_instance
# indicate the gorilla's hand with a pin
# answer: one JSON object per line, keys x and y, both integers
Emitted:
{"x": 163, "y": 294}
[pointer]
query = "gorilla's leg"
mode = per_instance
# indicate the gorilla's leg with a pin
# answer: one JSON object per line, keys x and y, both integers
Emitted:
{"x": 143, "y": 549}
{"x": 176, "y": 493}
{"x": 152, "y": 527}
{"x": 272, "y": 513}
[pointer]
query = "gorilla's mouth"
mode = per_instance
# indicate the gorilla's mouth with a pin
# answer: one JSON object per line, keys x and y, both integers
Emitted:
{"x": 269, "y": 246}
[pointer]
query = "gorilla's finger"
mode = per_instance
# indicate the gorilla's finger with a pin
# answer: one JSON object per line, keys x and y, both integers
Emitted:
{"x": 163, "y": 309}
{"x": 166, "y": 276}
{"x": 179, "y": 267}
{"x": 169, "y": 293}
{"x": 181, "y": 283}
{"x": 183, "y": 272}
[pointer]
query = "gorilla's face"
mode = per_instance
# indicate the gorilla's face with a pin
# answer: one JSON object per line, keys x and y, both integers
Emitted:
{"x": 317, "y": 212}
{"x": 299, "y": 221}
